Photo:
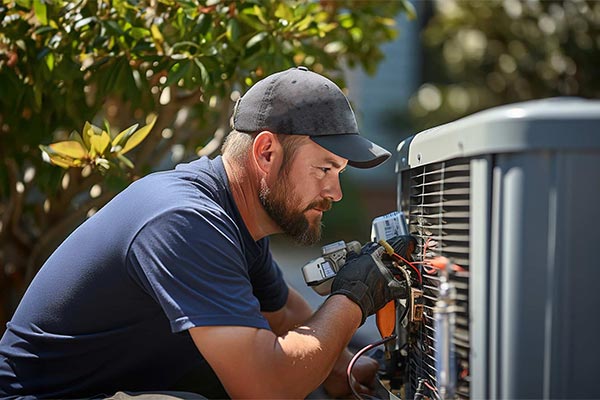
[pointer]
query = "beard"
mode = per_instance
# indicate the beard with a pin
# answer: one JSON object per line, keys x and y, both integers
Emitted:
{"x": 279, "y": 205}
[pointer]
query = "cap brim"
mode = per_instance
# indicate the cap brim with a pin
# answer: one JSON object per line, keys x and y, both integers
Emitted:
{"x": 359, "y": 151}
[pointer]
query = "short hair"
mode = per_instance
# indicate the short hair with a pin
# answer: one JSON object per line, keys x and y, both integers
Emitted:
{"x": 237, "y": 146}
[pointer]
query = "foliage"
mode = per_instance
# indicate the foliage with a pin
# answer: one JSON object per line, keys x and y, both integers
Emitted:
{"x": 96, "y": 147}
{"x": 64, "y": 65}
{"x": 486, "y": 53}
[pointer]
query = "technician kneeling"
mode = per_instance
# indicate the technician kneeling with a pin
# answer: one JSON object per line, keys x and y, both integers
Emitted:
{"x": 173, "y": 279}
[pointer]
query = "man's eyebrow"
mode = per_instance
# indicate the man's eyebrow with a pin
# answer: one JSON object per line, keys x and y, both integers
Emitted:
{"x": 334, "y": 163}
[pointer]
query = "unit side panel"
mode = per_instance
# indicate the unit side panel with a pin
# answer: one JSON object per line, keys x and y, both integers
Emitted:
{"x": 523, "y": 270}
{"x": 572, "y": 310}
{"x": 480, "y": 220}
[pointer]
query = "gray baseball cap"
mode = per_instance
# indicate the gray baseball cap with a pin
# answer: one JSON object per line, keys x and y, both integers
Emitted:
{"x": 301, "y": 102}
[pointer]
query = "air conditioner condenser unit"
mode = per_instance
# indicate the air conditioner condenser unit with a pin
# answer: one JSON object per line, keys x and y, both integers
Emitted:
{"x": 512, "y": 196}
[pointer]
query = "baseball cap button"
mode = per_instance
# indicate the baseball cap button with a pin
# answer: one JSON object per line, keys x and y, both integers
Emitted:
{"x": 302, "y": 68}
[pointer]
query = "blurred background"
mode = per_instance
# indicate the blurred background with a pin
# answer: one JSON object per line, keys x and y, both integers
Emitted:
{"x": 74, "y": 76}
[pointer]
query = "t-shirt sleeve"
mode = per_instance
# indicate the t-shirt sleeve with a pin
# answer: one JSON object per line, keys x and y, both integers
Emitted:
{"x": 191, "y": 263}
{"x": 268, "y": 283}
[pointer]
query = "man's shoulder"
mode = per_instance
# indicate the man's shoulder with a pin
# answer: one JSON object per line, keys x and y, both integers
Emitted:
{"x": 189, "y": 185}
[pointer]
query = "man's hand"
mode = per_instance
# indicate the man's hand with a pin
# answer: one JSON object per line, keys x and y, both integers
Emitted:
{"x": 403, "y": 245}
{"x": 367, "y": 281}
{"x": 364, "y": 373}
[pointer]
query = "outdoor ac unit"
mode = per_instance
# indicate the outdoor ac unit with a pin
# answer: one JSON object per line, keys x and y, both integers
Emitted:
{"x": 512, "y": 195}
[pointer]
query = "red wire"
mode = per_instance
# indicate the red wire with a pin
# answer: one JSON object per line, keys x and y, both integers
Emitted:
{"x": 429, "y": 386}
{"x": 431, "y": 270}
{"x": 399, "y": 257}
{"x": 356, "y": 357}
{"x": 425, "y": 245}
{"x": 433, "y": 389}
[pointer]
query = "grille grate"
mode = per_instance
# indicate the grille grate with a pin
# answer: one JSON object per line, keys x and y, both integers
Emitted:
{"x": 438, "y": 213}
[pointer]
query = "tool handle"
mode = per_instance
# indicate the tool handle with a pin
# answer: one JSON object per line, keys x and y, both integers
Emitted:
{"x": 386, "y": 319}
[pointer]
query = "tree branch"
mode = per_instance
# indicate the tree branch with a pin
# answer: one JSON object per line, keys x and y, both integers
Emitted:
{"x": 223, "y": 127}
{"x": 16, "y": 205}
{"x": 166, "y": 118}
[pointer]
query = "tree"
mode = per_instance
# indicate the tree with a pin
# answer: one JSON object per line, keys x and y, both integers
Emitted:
{"x": 481, "y": 54}
{"x": 67, "y": 65}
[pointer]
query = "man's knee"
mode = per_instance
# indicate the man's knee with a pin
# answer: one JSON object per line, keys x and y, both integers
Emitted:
{"x": 167, "y": 395}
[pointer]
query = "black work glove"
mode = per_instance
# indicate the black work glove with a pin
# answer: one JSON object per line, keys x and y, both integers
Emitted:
{"x": 403, "y": 245}
{"x": 368, "y": 282}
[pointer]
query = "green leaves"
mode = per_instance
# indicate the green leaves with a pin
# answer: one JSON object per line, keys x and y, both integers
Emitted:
{"x": 40, "y": 11}
{"x": 61, "y": 62}
{"x": 233, "y": 30}
{"x": 484, "y": 54}
{"x": 83, "y": 53}
{"x": 95, "y": 147}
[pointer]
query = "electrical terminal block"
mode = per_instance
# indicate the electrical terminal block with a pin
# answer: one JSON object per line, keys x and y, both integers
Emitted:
{"x": 416, "y": 305}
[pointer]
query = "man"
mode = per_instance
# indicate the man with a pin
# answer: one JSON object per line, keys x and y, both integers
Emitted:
{"x": 175, "y": 272}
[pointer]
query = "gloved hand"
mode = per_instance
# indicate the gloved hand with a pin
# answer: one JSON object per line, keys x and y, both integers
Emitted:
{"x": 403, "y": 245}
{"x": 368, "y": 282}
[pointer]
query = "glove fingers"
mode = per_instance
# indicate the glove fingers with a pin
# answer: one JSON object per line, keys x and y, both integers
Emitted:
{"x": 367, "y": 281}
{"x": 398, "y": 289}
{"x": 404, "y": 245}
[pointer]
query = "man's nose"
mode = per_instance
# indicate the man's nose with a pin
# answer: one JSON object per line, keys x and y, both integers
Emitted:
{"x": 333, "y": 189}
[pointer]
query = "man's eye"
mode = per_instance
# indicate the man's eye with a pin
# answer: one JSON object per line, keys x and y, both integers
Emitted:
{"x": 325, "y": 169}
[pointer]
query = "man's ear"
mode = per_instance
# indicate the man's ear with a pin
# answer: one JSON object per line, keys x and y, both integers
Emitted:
{"x": 266, "y": 151}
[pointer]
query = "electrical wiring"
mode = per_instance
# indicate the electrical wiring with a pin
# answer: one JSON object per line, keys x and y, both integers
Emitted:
{"x": 379, "y": 342}
{"x": 419, "y": 392}
{"x": 357, "y": 356}
{"x": 441, "y": 263}
{"x": 432, "y": 389}
{"x": 430, "y": 270}
{"x": 390, "y": 250}
{"x": 404, "y": 314}
{"x": 404, "y": 260}
{"x": 407, "y": 277}
{"x": 435, "y": 264}
{"x": 430, "y": 266}
{"x": 426, "y": 246}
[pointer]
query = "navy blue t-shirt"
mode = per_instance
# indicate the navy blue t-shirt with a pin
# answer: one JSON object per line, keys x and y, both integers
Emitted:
{"x": 111, "y": 307}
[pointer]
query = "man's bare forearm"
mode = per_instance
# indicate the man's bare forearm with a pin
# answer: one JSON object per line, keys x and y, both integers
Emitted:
{"x": 295, "y": 313}
{"x": 288, "y": 366}
{"x": 315, "y": 346}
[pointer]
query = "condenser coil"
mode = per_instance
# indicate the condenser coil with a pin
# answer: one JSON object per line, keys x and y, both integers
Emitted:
{"x": 511, "y": 194}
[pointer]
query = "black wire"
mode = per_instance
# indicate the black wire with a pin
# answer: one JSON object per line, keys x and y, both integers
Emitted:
{"x": 420, "y": 389}
{"x": 357, "y": 356}
{"x": 404, "y": 313}
{"x": 409, "y": 286}
{"x": 375, "y": 344}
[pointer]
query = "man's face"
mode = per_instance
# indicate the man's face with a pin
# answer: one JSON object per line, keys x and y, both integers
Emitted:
{"x": 303, "y": 190}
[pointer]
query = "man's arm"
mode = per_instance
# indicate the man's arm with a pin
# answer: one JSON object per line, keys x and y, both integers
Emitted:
{"x": 252, "y": 362}
{"x": 297, "y": 311}
{"x": 256, "y": 363}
